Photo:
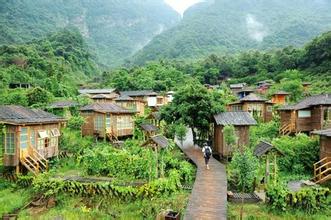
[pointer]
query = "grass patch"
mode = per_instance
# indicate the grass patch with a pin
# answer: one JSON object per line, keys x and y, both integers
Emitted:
{"x": 261, "y": 212}
{"x": 12, "y": 198}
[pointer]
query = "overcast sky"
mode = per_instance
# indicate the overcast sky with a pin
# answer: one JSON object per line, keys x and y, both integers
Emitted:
{"x": 181, "y": 5}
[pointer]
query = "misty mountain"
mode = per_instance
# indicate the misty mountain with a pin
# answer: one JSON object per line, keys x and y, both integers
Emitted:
{"x": 113, "y": 29}
{"x": 228, "y": 26}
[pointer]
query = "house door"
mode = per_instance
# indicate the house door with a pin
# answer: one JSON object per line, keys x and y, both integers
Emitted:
{"x": 24, "y": 146}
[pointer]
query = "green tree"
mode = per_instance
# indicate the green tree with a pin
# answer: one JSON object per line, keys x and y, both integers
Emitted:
{"x": 39, "y": 97}
{"x": 193, "y": 106}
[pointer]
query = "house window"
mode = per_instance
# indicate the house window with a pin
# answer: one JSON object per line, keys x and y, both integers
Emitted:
{"x": 55, "y": 132}
{"x": 304, "y": 114}
{"x": 327, "y": 114}
{"x": 108, "y": 121}
{"x": 159, "y": 101}
{"x": 24, "y": 138}
{"x": 236, "y": 108}
{"x": 33, "y": 138}
{"x": 10, "y": 143}
{"x": 42, "y": 137}
{"x": 124, "y": 122}
{"x": 98, "y": 123}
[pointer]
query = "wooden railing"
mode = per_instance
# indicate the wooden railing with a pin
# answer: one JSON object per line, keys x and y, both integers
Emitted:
{"x": 322, "y": 170}
{"x": 287, "y": 128}
{"x": 40, "y": 158}
{"x": 35, "y": 162}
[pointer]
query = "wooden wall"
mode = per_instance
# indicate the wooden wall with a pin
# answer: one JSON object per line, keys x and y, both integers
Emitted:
{"x": 242, "y": 133}
{"x": 325, "y": 148}
{"x": 47, "y": 152}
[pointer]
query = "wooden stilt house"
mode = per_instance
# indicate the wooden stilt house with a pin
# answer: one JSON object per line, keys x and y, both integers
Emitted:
{"x": 63, "y": 108}
{"x": 311, "y": 113}
{"x": 322, "y": 169}
{"x": 131, "y": 104}
{"x": 241, "y": 122}
{"x": 30, "y": 137}
{"x": 255, "y": 105}
{"x": 107, "y": 120}
{"x": 279, "y": 97}
{"x": 100, "y": 95}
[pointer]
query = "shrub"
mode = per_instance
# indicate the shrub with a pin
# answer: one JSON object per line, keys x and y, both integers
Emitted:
{"x": 309, "y": 200}
{"x": 76, "y": 122}
{"x": 300, "y": 153}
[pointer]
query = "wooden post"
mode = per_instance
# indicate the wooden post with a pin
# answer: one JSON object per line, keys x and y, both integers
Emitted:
{"x": 157, "y": 163}
{"x": 267, "y": 170}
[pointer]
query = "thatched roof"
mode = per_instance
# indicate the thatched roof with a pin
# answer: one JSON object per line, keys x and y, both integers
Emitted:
{"x": 106, "y": 108}
{"x": 323, "y": 99}
{"x": 234, "y": 118}
{"x": 124, "y": 98}
{"x": 12, "y": 114}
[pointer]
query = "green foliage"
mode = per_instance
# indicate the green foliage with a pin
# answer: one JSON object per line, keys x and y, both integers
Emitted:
{"x": 113, "y": 29}
{"x": 76, "y": 122}
{"x": 242, "y": 171}
{"x": 181, "y": 132}
{"x": 56, "y": 63}
{"x": 229, "y": 135}
{"x": 73, "y": 142}
{"x": 263, "y": 131}
{"x": 39, "y": 97}
{"x": 309, "y": 200}
{"x": 225, "y": 26}
{"x": 300, "y": 153}
{"x": 193, "y": 106}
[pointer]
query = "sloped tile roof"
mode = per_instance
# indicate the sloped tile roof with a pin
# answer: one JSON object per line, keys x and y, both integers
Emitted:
{"x": 323, "y": 99}
{"x": 149, "y": 127}
{"x": 326, "y": 132}
{"x": 234, "y": 118}
{"x": 13, "y": 114}
{"x": 63, "y": 104}
{"x": 124, "y": 98}
{"x": 97, "y": 91}
{"x": 137, "y": 93}
{"x": 106, "y": 108}
{"x": 160, "y": 141}
{"x": 253, "y": 98}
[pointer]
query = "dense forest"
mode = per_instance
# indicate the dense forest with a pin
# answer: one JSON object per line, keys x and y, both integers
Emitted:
{"x": 57, "y": 64}
{"x": 308, "y": 63}
{"x": 225, "y": 26}
{"x": 114, "y": 29}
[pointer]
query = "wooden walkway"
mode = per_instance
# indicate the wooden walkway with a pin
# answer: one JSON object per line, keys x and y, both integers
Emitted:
{"x": 208, "y": 200}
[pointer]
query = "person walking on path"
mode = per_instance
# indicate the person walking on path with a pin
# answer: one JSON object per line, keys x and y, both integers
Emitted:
{"x": 207, "y": 152}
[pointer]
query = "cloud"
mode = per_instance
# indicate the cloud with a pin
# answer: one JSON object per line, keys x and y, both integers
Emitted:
{"x": 181, "y": 5}
{"x": 256, "y": 30}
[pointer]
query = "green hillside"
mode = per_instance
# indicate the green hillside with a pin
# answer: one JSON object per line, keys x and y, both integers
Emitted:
{"x": 56, "y": 63}
{"x": 226, "y": 26}
{"x": 114, "y": 29}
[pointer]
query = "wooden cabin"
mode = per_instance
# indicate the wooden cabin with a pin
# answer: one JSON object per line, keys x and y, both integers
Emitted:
{"x": 131, "y": 104}
{"x": 149, "y": 130}
{"x": 241, "y": 122}
{"x": 157, "y": 142}
{"x": 322, "y": 168}
{"x": 279, "y": 97}
{"x": 235, "y": 88}
{"x": 306, "y": 86}
{"x": 258, "y": 107}
{"x": 107, "y": 120}
{"x": 244, "y": 92}
{"x": 154, "y": 118}
{"x": 100, "y": 95}
{"x": 31, "y": 137}
{"x": 63, "y": 108}
{"x": 311, "y": 113}
{"x": 264, "y": 86}
{"x": 143, "y": 95}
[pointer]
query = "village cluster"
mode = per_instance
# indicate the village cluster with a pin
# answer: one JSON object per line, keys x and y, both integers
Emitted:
{"x": 32, "y": 135}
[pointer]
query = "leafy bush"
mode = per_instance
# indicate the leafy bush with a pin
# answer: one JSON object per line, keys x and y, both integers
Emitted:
{"x": 73, "y": 142}
{"x": 300, "y": 153}
{"x": 309, "y": 200}
{"x": 263, "y": 131}
{"x": 242, "y": 170}
{"x": 76, "y": 122}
